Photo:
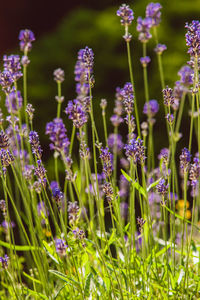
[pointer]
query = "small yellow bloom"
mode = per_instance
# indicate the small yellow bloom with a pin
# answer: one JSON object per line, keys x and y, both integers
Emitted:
{"x": 187, "y": 213}
{"x": 180, "y": 204}
{"x": 46, "y": 232}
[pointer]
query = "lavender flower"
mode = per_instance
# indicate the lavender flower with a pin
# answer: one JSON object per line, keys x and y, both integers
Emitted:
{"x": 58, "y": 196}
{"x": 164, "y": 154}
{"x": 26, "y": 38}
{"x": 126, "y": 15}
{"x": 185, "y": 158}
{"x": 6, "y": 159}
{"x": 103, "y": 104}
{"x": 61, "y": 246}
{"x": 170, "y": 118}
{"x": 193, "y": 38}
{"x": 35, "y": 144}
{"x": 73, "y": 212}
{"x": 116, "y": 120}
{"x": 12, "y": 65}
{"x": 162, "y": 187}
{"x": 153, "y": 12}
{"x": 186, "y": 74}
{"x": 40, "y": 172}
{"x": 194, "y": 172}
{"x": 57, "y": 134}
{"x": 4, "y": 140}
{"x": 168, "y": 96}
{"x": 151, "y": 108}
{"x": 115, "y": 142}
{"x": 87, "y": 57}
{"x": 160, "y": 48}
{"x": 145, "y": 61}
{"x": 30, "y": 111}
{"x": 3, "y": 207}
{"x": 25, "y": 61}
{"x": 76, "y": 113}
{"x": 106, "y": 157}
{"x": 128, "y": 97}
{"x": 59, "y": 75}
{"x": 135, "y": 150}
{"x": 140, "y": 222}
{"x": 143, "y": 27}
{"x": 14, "y": 102}
{"x": 6, "y": 81}
{"x": 108, "y": 191}
{"x": 4, "y": 261}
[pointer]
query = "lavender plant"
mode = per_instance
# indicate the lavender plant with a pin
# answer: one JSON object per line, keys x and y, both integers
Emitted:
{"x": 113, "y": 221}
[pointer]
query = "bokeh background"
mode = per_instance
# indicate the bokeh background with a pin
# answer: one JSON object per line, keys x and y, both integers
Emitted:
{"x": 63, "y": 27}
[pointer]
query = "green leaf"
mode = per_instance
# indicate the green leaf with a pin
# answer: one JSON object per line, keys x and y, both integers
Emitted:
{"x": 153, "y": 184}
{"x": 18, "y": 247}
{"x": 65, "y": 278}
{"x": 51, "y": 252}
{"x": 62, "y": 287}
{"x": 42, "y": 296}
{"x": 31, "y": 278}
{"x": 134, "y": 183}
{"x": 87, "y": 285}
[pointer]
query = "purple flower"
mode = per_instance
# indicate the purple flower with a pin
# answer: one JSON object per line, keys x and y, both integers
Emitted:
{"x": 135, "y": 150}
{"x": 151, "y": 108}
{"x": 61, "y": 246}
{"x": 6, "y": 158}
{"x": 4, "y": 261}
{"x": 35, "y": 143}
{"x": 25, "y": 60}
{"x": 40, "y": 172}
{"x": 57, "y": 194}
{"x": 170, "y": 118}
{"x": 153, "y": 12}
{"x": 108, "y": 191}
{"x": 128, "y": 97}
{"x": 86, "y": 56}
{"x": 107, "y": 158}
{"x": 12, "y": 65}
{"x": 57, "y": 134}
{"x": 193, "y": 38}
{"x": 160, "y": 48}
{"x": 59, "y": 75}
{"x": 26, "y": 37}
{"x": 126, "y": 15}
{"x": 73, "y": 212}
{"x": 76, "y": 113}
{"x": 143, "y": 27}
{"x": 30, "y": 111}
{"x": 168, "y": 96}
{"x": 7, "y": 225}
{"x": 164, "y": 154}
{"x": 14, "y": 102}
{"x": 186, "y": 74}
{"x": 6, "y": 81}
{"x": 194, "y": 173}
{"x": 115, "y": 141}
{"x": 4, "y": 140}
{"x": 116, "y": 120}
{"x": 185, "y": 158}
{"x": 145, "y": 61}
{"x": 162, "y": 187}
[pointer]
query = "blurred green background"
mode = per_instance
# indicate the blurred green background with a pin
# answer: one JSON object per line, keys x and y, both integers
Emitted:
{"x": 95, "y": 24}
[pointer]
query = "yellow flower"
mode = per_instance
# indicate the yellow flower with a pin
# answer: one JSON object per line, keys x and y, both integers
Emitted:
{"x": 187, "y": 213}
{"x": 180, "y": 204}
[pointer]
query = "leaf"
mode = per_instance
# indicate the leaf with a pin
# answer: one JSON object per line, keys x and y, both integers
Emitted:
{"x": 153, "y": 184}
{"x": 50, "y": 252}
{"x": 42, "y": 296}
{"x": 18, "y": 247}
{"x": 87, "y": 285}
{"x": 135, "y": 184}
{"x": 62, "y": 287}
{"x": 65, "y": 278}
{"x": 31, "y": 278}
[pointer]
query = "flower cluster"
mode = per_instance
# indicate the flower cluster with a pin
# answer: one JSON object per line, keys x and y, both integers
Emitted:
{"x": 14, "y": 102}
{"x": 61, "y": 246}
{"x": 106, "y": 157}
{"x": 127, "y": 97}
{"x": 153, "y": 12}
{"x": 151, "y": 108}
{"x": 26, "y": 38}
{"x": 35, "y": 144}
{"x": 126, "y": 15}
{"x": 76, "y": 113}
{"x": 73, "y": 212}
{"x": 145, "y": 61}
{"x": 6, "y": 81}
{"x": 194, "y": 173}
{"x": 59, "y": 75}
{"x": 12, "y": 65}
{"x": 160, "y": 48}
{"x": 135, "y": 150}
{"x": 57, "y": 134}
{"x": 143, "y": 27}
{"x": 4, "y": 261}
{"x": 115, "y": 142}
{"x": 40, "y": 172}
{"x": 185, "y": 159}
{"x": 193, "y": 38}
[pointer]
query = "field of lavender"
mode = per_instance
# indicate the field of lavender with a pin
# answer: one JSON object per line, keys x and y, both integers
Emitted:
{"x": 113, "y": 221}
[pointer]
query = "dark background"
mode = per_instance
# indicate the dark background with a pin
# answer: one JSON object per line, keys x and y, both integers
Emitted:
{"x": 63, "y": 27}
